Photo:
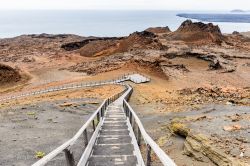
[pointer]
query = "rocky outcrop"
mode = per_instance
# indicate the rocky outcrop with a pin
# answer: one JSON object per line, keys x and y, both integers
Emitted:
{"x": 157, "y": 30}
{"x": 143, "y": 58}
{"x": 218, "y": 60}
{"x": 140, "y": 40}
{"x": 79, "y": 44}
{"x": 201, "y": 148}
{"x": 8, "y": 74}
{"x": 218, "y": 63}
{"x": 99, "y": 48}
{"x": 109, "y": 46}
{"x": 198, "y": 33}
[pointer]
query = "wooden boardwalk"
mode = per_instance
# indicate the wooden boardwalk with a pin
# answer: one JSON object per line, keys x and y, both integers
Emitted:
{"x": 117, "y": 136}
{"x": 138, "y": 78}
{"x": 114, "y": 143}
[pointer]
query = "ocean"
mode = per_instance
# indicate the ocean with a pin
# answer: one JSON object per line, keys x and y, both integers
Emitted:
{"x": 94, "y": 23}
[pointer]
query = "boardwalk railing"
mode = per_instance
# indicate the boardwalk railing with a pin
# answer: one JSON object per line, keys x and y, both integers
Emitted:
{"x": 141, "y": 135}
{"x": 65, "y": 87}
{"x": 93, "y": 121}
{"x": 120, "y": 79}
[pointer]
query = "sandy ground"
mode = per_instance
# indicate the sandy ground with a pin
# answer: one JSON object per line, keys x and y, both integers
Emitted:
{"x": 101, "y": 92}
{"x": 208, "y": 120}
{"x": 42, "y": 123}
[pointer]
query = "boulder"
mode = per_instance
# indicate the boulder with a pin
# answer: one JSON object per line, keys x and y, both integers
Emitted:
{"x": 201, "y": 148}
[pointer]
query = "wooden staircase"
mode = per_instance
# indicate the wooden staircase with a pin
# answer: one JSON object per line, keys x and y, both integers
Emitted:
{"x": 114, "y": 143}
{"x": 116, "y": 138}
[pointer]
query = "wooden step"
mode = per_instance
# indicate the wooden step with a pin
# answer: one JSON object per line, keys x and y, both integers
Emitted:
{"x": 116, "y": 160}
{"x": 113, "y": 139}
{"x": 112, "y": 127}
{"x": 119, "y": 149}
{"x": 114, "y": 132}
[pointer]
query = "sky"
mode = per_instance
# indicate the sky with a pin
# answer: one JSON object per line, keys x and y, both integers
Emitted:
{"x": 127, "y": 4}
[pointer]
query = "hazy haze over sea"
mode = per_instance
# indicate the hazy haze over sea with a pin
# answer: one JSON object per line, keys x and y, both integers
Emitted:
{"x": 94, "y": 23}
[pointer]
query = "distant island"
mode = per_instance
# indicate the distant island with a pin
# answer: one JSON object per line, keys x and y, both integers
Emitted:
{"x": 238, "y": 11}
{"x": 234, "y": 18}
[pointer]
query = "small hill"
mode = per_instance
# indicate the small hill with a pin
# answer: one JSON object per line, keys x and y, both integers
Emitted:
{"x": 136, "y": 40}
{"x": 139, "y": 40}
{"x": 99, "y": 48}
{"x": 198, "y": 33}
{"x": 8, "y": 74}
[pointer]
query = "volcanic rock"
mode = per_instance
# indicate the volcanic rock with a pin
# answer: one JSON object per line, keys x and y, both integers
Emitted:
{"x": 198, "y": 33}
{"x": 140, "y": 40}
{"x": 79, "y": 44}
{"x": 109, "y": 46}
{"x": 99, "y": 48}
{"x": 236, "y": 33}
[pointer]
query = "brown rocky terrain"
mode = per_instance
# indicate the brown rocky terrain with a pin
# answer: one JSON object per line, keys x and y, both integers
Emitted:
{"x": 137, "y": 40}
{"x": 206, "y": 41}
{"x": 190, "y": 68}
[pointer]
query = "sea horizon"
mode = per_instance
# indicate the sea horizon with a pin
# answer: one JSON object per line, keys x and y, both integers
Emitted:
{"x": 100, "y": 23}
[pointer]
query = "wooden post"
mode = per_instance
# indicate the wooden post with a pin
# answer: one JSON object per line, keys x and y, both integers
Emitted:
{"x": 138, "y": 137}
{"x": 148, "y": 162}
{"x": 86, "y": 141}
{"x": 98, "y": 117}
{"x": 93, "y": 122}
{"x": 102, "y": 111}
{"x": 133, "y": 125}
{"x": 127, "y": 111}
{"x": 69, "y": 158}
{"x": 130, "y": 117}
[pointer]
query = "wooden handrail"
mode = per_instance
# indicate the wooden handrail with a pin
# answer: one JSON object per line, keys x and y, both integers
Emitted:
{"x": 83, "y": 130}
{"x": 66, "y": 87}
{"x": 73, "y": 140}
{"x": 68, "y": 143}
{"x": 164, "y": 158}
